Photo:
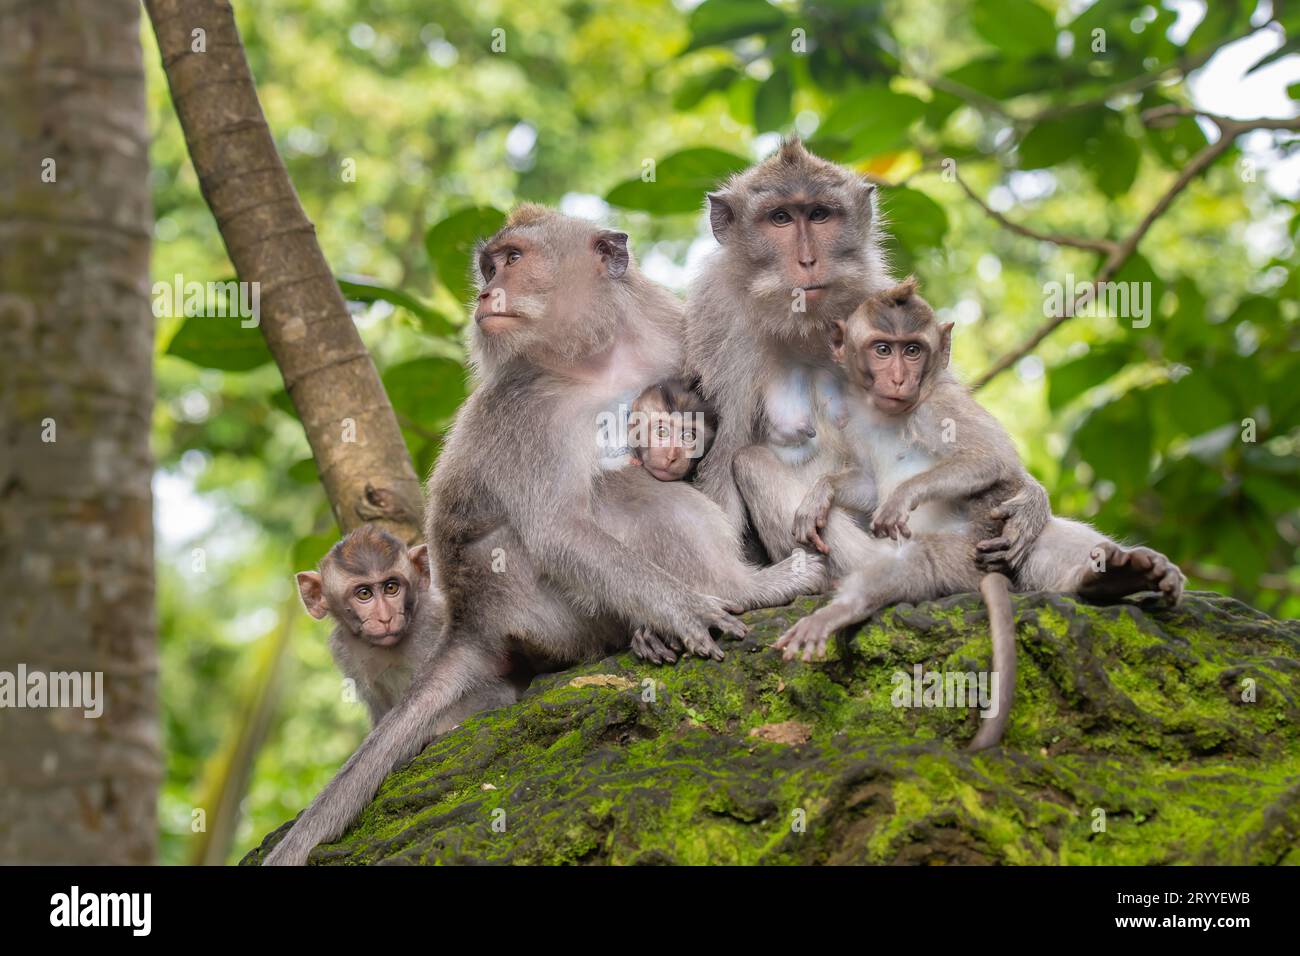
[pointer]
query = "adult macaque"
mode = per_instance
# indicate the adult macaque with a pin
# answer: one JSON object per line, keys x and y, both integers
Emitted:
{"x": 674, "y": 428}
{"x": 937, "y": 465}
{"x": 523, "y": 503}
{"x": 799, "y": 250}
{"x": 388, "y": 620}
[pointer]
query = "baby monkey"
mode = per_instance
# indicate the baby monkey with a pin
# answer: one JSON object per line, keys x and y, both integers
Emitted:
{"x": 931, "y": 468}
{"x": 672, "y": 427}
{"x": 388, "y": 619}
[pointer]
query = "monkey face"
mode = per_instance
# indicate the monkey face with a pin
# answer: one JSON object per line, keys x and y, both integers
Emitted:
{"x": 541, "y": 281}
{"x": 676, "y": 444}
{"x": 380, "y": 610}
{"x": 892, "y": 347}
{"x": 798, "y": 229}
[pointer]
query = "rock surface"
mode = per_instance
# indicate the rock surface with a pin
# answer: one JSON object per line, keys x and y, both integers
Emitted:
{"x": 1139, "y": 735}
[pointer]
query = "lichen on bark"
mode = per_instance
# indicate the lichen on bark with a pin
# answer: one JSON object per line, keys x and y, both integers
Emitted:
{"x": 1139, "y": 735}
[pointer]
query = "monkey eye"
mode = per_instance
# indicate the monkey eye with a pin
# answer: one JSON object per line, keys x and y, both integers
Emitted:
{"x": 780, "y": 217}
{"x": 882, "y": 349}
{"x": 390, "y": 587}
{"x": 688, "y": 436}
{"x": 819, "y": 214}
{"x": 488, "y": 268}
{"x": 912, "y": 351}
{"x": 513, "y": 256}
{"x": 364, "y": 594}
{"x": 662, "y": 431}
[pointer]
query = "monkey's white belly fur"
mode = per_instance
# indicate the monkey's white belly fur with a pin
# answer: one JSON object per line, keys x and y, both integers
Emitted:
{"x": 801, "y": 406}
{"x": 891, "y": 455}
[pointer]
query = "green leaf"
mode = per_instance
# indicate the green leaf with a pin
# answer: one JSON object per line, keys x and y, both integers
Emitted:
{"x": 913, "y": 218}
{"x": 451, "y": 241}
{"x": 697, "y": 87}
{"x": 282, "y": 401}
{"x": 680, "y": 181}
{"x": 308, "y": 551}
{"x": 1018, "y": 28}
{"x": 718, "y": 21}
{"x": 221, "y": 343}
{"x": 1069, "y": 380}
{"x": 304, "y": 472}
{"x": 426, "y": 391}
{"x": 1193, "y": 406}
{"x": 867, "y": 122}
{"x": 1055, "y": 141}
{"x": 1116, "y": 439}
{"x": 1112, "y": 158}
{"x": 357, "y": 289}
{"x": 772, "y": 101}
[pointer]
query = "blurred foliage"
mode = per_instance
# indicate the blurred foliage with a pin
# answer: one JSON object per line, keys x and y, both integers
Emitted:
{"x": 407, "y": 135}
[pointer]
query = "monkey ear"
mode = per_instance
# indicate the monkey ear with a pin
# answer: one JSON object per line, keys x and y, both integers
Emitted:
{"x": 312, "y": 593}
{"x": 945, "y": 344}
{"x": 838, "y": 330}
{"x": 419, "y": 556}
{"x": 612, "y": 248}
{"x": 721, "y": 215}
{"x": 867, "y": 200}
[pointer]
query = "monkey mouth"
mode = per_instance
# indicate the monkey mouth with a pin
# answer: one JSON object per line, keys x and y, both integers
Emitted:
{"x": 484, "y": 317}
{"x": 384, "y": 640}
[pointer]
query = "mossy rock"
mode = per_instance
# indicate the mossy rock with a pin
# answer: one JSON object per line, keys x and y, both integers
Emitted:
{"x": 1139, "y": 735}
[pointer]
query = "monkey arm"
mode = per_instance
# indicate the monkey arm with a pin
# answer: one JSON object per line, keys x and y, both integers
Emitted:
{"x": 403, "y": 732}
{"x": 577, "y": 554}
{"x": 1024, "y": 516}
{"x": 851, "y": 487}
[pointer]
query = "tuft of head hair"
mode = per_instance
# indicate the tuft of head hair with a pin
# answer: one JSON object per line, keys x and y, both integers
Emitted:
{"x": 900, "y": 294}
{"x": 792, "y": 151}
{"x": 527, "y": 213}
{"x": 899, "y": 308}
{"x": 366, "y": 550}
{"x": 679, "y": 395}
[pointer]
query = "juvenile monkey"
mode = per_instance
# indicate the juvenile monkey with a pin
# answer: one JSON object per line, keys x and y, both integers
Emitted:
{"x": 673, "y": 428}
{"x": 931, "y": 468}
{"x": 388, "y": 620}
{"x": 799, "y": 250}
{"x": 543, "y": 553}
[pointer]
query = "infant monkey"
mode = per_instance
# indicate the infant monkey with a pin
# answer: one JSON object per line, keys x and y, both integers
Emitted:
{"x": 672, "y": 428}
{"x": 935, "y": 465}
{"x": 388, "y": 619}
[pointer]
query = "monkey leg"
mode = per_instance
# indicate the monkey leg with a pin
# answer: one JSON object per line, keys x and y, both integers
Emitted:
{"x": 1069, "y": 556}
{"x": 918, "y": 569}
{"x": 801, "y": 573}
{"x": 444, "y": 682}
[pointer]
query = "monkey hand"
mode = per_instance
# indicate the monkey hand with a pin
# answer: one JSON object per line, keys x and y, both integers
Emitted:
{"x": 1023, "y": 518}
{"x": 649, "y": 646}
{"x": 811, "y": 516}
{"x": 711, "y": 612}
{"x": 890, "y": 519}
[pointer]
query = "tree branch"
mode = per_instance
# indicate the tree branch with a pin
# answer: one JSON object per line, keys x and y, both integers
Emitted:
{"x": 1119, "y": 253}
{"x": 363, "y": 462}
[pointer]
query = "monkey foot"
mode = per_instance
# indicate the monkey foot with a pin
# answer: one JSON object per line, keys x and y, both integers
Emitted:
{"x": 649, "y": 646}
{"x": 1129, "y": 571}
{"x": 806, "y": 640}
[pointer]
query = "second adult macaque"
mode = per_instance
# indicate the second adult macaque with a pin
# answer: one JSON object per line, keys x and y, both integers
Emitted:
{"x": 931, "y": 468}
{"x": 388, "y": 620}
{"x": 542, "y": 553}
{"x": 674, "y": 427}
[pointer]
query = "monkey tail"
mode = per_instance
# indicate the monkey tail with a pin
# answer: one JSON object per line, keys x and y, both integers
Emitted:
{"x": 994, "y": 588}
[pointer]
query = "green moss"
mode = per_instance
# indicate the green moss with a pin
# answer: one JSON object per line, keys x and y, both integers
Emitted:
{"x": 1128, "y": 715}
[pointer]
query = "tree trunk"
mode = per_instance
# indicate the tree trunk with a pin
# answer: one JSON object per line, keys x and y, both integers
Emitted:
{"x": 363, "y": 461}
{"x": 76, "y": 394}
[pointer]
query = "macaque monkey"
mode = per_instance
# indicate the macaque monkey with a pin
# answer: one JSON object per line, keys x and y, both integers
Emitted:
{"x": 544, "y": 550}
{"x": 388, "y": 620}
{"x": 674, "y": 429}
{"x": 932, "y": 467}
{"x": 799, "y": 249}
